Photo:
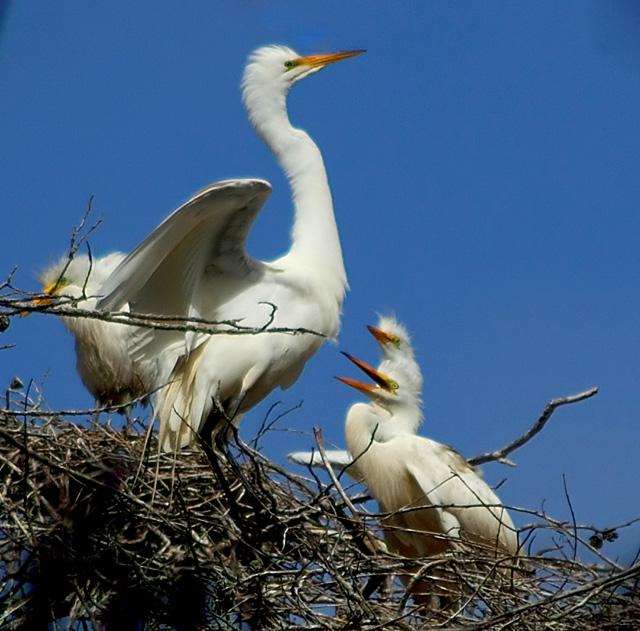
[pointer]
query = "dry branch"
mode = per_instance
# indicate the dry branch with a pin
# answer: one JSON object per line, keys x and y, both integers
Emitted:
{"x": 500, "y": 454}
{"x": 84, "y": 538}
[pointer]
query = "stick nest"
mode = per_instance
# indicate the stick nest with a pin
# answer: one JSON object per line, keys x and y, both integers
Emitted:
{"x": 98, "y": 531}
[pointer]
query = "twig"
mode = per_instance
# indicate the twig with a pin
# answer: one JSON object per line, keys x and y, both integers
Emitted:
{"x": 64, "y": 307}
{"x": 375, "y": 544}
{"x": 500, "y": 454}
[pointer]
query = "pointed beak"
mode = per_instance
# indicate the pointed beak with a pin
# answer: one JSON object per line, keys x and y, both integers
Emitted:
{"x": 365, "y": 388}
{"x": 382, "y": 381}
{"x": 320, "y": 60}
{"x": 381, "y": 336}
{"x": 52, "y": 289}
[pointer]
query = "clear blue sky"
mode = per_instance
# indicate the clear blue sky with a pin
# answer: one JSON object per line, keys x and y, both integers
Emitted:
{"x": 484, "y": 158}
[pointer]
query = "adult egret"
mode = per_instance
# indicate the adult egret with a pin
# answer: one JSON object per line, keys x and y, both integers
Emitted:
{"x": 205, "y": 271}
{"x": 102, "y": 358}
{"x": 434, "y": 498}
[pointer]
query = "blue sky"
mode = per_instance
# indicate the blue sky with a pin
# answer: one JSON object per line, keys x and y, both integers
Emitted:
{"x": 483, "y": 158}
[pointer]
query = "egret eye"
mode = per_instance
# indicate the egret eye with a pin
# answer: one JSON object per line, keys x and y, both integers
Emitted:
{"x": 393, "y": 384}
{"x": 288, "y": 64}
{"x": 396, "y": 341}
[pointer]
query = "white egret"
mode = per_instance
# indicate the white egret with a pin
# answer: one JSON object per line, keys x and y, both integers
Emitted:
{"x": 205, "y": 271}
{"x": 102, "y": 358}
{"x": 434, "y": 498}
{"x": 103, "y": 349}
{"x": 397, "y": 358}
{"x": 397, "y": 354}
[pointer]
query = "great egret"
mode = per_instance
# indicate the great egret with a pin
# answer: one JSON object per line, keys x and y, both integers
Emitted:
{"x": 203, "y": 270}
{"x": 102, "y": 358}
{"x": 434, "y": 497}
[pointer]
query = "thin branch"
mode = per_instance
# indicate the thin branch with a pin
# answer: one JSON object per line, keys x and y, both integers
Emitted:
{"x": 64, "y": 307}
{"x": 375, "y": 544}
{"x": 500, "y": 454}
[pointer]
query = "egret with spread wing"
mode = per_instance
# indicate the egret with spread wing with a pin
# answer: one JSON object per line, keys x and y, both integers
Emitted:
{"x": 202, "y": 269}
{"x": 105, "y": 362}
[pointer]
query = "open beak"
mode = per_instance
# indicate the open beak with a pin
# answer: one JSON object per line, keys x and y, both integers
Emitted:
{"x": 319, "y": 60}
{"x": 370, "y": 371}
{"x": 365, "y": 388}
{"x": 381, "y": 380}
{"x": 381, "y": 336}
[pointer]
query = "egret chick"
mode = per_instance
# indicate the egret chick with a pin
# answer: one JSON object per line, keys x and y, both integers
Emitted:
{"x": 102, "y": 358}
{"x": 397, "y": 358}
{"x": 434, "y": 497}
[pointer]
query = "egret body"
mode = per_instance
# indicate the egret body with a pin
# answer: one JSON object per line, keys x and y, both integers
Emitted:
{"x": 102, "y": 357}
{"x": 204, "y": 270}
{"x": 434, "y": 498}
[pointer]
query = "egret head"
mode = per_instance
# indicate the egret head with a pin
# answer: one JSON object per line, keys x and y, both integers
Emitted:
{"x": 385, "y": 391}
{"x": 397, "y": 353}
{"x": 392, "y": 337}
{"x": 77, "y": 277}
{"x": 272, "y": 70}
{"x": 281, "y": 67}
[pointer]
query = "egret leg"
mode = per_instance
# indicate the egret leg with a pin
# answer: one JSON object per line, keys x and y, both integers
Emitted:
{"x": 96, "y": 415}
{"x": 129, "y": 420}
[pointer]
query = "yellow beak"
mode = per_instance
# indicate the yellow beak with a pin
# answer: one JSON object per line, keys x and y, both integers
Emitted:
{"x": 365, "y": 388}
{"x": 322, "y": 59}
{"x": 52, "y": 289}
{"x": 381, "y": 336}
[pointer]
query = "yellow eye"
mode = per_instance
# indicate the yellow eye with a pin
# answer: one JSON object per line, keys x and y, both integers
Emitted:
{"x": 395, "y": 340}
{"x": 393, "y": 384}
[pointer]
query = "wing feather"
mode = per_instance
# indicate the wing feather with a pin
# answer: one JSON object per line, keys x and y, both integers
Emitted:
{"x": 466, "y": 499}
{"x": 214, "y": 223}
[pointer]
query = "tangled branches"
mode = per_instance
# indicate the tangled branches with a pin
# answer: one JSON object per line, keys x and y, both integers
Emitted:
{"x": 99, "y": 531}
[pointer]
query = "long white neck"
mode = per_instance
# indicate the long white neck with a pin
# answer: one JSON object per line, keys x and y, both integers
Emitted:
{"x": 314, "y": 237}
{"x": 381, "y": 423}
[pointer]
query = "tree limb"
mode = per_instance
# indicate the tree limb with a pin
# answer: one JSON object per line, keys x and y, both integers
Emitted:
{"x": 500, "y": 454}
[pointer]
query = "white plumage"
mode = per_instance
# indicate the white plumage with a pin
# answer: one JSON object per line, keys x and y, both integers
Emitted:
{"x": 428, "y": 488}
{"x": 200, "y": 268}
{"x": 433, "y": 496}
{"x": 102, "y": 357}
{"x": 339, "y": 459}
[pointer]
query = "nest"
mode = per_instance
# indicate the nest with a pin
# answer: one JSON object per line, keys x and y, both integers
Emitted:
{"x": 99, "y": 531}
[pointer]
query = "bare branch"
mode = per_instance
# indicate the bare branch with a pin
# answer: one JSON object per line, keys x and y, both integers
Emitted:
{"x": 84, "y": 525}
{"x": 64, "y": 307}
{"x": 500, "y": 454}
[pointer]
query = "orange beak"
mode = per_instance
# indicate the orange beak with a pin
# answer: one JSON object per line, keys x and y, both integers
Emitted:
{"x": 365, "y": 388}
{"x": 370, "y": 371}
{"x": 319, "y": 60}
{"x": 381, "y": 336}
{"x": 52, "y": 289}
{"x": 382, "y": 381}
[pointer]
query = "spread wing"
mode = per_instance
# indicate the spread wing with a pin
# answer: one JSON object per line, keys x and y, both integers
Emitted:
{"x": 162, "y": 274}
